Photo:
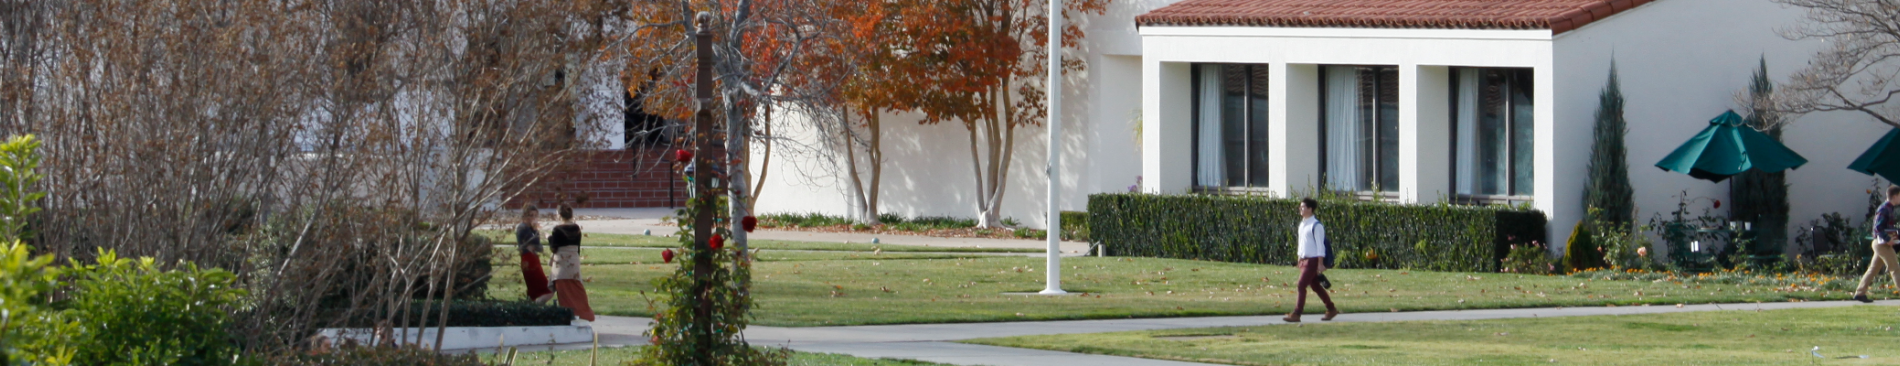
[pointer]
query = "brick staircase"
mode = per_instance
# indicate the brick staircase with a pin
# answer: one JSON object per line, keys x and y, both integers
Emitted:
{"x": 614, "y": 179}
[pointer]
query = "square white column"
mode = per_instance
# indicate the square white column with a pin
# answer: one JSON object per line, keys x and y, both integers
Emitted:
{"x": 1167, "y": 127}
{"x": 1293, "y": 136}
{"x": 1424, "y": 133}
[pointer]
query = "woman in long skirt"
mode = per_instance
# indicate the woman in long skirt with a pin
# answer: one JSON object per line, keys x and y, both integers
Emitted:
{"x": 528, "y": 243}
{"x": 565, "y": 240}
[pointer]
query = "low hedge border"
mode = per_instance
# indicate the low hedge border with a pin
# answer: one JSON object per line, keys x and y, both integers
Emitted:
{"x": 1250, "y": 229}
{"x": 465, "y": 313}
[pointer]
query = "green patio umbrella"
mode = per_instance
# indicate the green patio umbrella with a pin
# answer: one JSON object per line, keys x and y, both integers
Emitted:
{"x": 1883, "y": 159}
{"x": 1728, "y": 147}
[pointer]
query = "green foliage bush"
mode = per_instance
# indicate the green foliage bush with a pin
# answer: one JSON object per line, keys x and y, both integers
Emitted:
{"x": 1262, "y": 230}
{"x": 1608, "y": 189}
{"x": 1529, "y": 258}
{"x": 1075, "y": 225}
{"x": 113, "y": 312}
{"x": 1844, "y": 254}
{"x": 1580, "y": 253}
{"x": 370, "y": 356}
{"x": 1762, "y": 198}
{"x": 133, "y": 312}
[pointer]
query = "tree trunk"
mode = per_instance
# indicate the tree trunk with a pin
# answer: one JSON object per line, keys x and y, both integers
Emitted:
{"x": 848, "y": 142}
{"x": 765, "y": 162}
{"x": 738, "y": 137}
{"x": 875, "y": 151}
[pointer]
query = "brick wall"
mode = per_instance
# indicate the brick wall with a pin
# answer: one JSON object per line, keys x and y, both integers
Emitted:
{"x": 613, "y": 179}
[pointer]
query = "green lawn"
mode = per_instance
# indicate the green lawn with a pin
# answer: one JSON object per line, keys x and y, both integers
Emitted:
{"x": 855, "y": 288}
{"x": 1702, "y": 338}
{"x": 653, "y": 241}
{"x": 618, "y": 355}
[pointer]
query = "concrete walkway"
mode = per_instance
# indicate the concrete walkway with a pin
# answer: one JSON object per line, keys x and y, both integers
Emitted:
{"x": 644, "y": 220}
{"x": 934, "y": 342}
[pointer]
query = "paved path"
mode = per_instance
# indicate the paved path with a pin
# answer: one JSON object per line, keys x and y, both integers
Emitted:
{"x": 935, "y": 342}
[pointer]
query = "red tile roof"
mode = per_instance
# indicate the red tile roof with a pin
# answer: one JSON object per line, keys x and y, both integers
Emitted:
{"x": 1556, "y": 15}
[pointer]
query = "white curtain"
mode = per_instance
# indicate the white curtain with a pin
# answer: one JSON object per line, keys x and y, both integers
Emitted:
{"x": 1468, "y": 85}
{"x": 1342, "y": 128}
{"x": 1212, "y": 167}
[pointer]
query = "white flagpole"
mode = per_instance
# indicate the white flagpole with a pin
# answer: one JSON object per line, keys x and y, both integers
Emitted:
{"x": 1055, "y": 150}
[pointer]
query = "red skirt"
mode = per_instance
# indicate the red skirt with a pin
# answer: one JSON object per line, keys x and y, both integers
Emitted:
{"x": 536, "y": 278}
{"x": 573, "y": 296}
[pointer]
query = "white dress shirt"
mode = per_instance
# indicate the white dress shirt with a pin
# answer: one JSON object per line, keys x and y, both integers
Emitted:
{"x": 1312, "y": 239}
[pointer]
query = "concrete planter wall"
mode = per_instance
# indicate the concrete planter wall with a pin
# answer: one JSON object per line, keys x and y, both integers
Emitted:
{"x": 457, "y": 338}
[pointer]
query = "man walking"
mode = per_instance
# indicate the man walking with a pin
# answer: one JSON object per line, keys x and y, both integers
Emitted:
{"x": 1883, "y": 261}
{"x": 1312, "y": 254}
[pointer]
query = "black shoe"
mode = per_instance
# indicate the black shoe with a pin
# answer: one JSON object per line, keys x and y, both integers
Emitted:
{"x": 1863, "y": 298}
{"x": 1324, "y": 283}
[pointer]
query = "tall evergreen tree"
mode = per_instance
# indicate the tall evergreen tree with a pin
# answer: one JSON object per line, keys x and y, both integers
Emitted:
{"x": 1762, "y": 198}
{"x": 1609, "y": 188}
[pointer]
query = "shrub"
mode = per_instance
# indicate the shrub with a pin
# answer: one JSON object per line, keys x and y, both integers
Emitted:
{"x": 1580, "y": 253}
{"x": 1608, "y": 189}
{"x": 1531, "y": 258}
{"x": 1075, "y": 225}
{"x": 131, "y": 312}
{"x": 1262, "y": 230}
{"x": 28, "y": 330}
{"x": 478, "y": 314}
{"x": 1831, "y": 245}
{"x": 371, "y": 356}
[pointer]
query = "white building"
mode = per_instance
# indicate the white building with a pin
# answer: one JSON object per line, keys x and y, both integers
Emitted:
{"x": 1418, "y": 100}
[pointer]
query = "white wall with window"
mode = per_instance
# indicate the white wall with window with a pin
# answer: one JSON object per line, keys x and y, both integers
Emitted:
{"x": 1377, "y": 112}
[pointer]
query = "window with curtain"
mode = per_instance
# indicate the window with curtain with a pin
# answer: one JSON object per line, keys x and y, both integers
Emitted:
{"x": 1230, "y": 132}
{"x": 1360, "y": 122}
{"x": 1492, "y": 132}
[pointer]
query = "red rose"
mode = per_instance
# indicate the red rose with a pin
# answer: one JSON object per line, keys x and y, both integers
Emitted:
{"x": 716, "y": 242}
{"x": 749, "y": 223}
{"x": 682, "y": 155}
{"x": 667, "y": 255}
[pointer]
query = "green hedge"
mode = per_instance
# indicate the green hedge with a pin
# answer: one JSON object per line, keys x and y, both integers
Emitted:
{"x": 466, "y": 313}
{"x": 1261, "y": 230}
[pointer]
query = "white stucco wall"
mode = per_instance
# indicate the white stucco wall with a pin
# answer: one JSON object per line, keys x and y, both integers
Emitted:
{"x": 927, "y": 171}
{"x": 1681, "y": 64}
{"x": 1294, "y": 54}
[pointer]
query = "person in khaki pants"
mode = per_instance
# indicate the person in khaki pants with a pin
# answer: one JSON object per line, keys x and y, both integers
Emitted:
{"x": 1884, "y": 236}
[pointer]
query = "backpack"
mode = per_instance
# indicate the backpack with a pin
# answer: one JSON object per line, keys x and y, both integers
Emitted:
{"x": 1328, "y": 243}
{"x": 1329, "y": 251}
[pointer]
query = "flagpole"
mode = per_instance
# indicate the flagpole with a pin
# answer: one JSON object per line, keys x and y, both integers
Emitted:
{"x": 1054, "y": 231}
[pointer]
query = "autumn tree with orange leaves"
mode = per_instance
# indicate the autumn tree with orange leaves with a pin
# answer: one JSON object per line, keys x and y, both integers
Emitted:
{"x": 981, "y": 63}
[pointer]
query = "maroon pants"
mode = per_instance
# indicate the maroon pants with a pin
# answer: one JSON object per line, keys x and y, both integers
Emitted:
{"x": 531, "y": 272}
{"x": 1309, "y": 277}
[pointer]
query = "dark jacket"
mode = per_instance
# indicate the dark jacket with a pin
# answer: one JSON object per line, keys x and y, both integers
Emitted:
{"x": 1883, "y": 222}
{"x": 527, "y": 239}
{"x": 564, "y": 235}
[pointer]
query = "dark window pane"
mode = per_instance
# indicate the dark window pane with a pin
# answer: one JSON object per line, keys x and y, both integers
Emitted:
{"x": 1523, "y": 125}
{"x": 1257, "y": 122}
{"x": 1491, "y": 159}
{"x": 1234, "y": 122}
{"x": 1494, "y": 156}
{"x": 1368, "y": 163}
{"x": 1388, "y": 128}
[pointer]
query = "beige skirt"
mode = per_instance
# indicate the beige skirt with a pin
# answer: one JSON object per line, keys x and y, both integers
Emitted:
{"x": 567, "y": 263}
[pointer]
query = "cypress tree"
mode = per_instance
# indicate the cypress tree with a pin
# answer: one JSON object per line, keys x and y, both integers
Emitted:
{"x": 1762, "y": 198}
{"x": 1609, "y": 188}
